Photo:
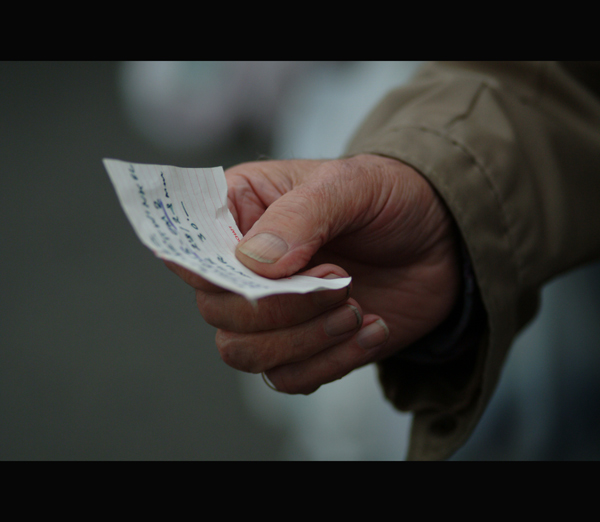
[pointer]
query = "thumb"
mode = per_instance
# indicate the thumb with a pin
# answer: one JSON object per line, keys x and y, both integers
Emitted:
{"x": 297, "y": 224}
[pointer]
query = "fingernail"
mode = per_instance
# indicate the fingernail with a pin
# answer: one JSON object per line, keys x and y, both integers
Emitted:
{"x": 373, "y": 335}
{"x": 343, "y": 320}
{"x": 264, "y": 248}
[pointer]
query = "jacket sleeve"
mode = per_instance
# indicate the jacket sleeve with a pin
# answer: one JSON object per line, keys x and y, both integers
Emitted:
{"x": 514, "y": 151}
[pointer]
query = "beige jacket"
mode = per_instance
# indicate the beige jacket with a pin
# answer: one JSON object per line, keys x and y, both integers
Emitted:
{"x": 514, "y": 150}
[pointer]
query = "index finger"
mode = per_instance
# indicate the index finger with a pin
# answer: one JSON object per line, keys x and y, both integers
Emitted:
{"x": 234, "y": 313}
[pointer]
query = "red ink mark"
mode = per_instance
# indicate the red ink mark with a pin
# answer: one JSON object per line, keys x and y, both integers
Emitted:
{"x": 234, "y": 234}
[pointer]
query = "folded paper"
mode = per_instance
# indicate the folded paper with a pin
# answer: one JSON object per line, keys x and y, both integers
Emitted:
{"x": 181, "y": 214}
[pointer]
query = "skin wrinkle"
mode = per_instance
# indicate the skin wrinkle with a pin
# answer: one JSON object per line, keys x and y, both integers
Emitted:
{"x": 270, "y": 190}
{"x": 384, "y": 209}
{"x": 277, "y": 312}
{"x": 240, "y": 191}
{"x": 236, "y": 194}
{"x": 273, "y": 186}
{"x": 327, "y": 190}
{"x": 332, "y": 187}
{"x": 391, "y": 229}
{"x": 432, "y": 214}
{"x": 316, "y": 196}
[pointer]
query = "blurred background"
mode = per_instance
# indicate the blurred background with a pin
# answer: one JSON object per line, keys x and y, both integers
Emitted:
{"x": 103, "y": 354}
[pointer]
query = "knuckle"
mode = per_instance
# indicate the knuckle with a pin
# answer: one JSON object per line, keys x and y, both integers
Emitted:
{"x": 221, "y": 311}
{"x": 275, "y": 312}
{"x": 280, "y": 314}
{"x": 237, "y": 352}
{"x": 339, "y": 169}
{"x": 211, "y": 314}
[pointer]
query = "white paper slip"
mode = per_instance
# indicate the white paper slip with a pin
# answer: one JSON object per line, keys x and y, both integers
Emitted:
{"x": 182, "y": 216}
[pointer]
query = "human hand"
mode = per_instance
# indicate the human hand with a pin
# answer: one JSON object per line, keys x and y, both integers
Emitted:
{"x": 370, "y": 217}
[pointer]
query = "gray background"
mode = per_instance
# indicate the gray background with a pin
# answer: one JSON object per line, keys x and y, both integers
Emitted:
{"x": 103, "y": 352}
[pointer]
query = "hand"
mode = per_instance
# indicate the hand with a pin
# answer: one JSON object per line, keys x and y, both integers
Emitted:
{"x": 370, "y": 217}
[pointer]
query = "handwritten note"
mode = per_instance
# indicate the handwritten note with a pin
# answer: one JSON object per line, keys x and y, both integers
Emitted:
{"x": 182, "y": 215}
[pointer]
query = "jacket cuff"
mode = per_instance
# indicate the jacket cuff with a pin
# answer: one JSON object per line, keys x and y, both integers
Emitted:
{"x": 460, "y": 332}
